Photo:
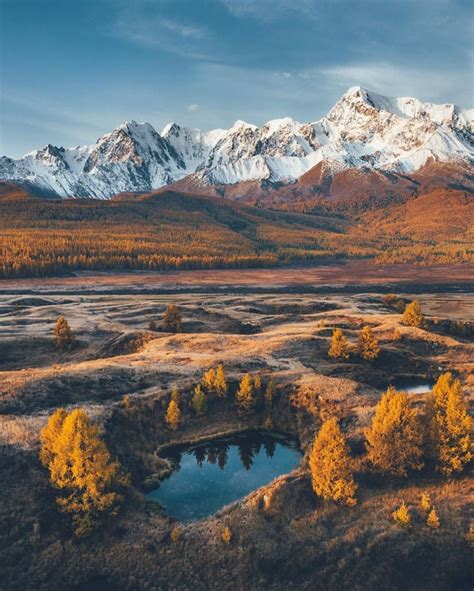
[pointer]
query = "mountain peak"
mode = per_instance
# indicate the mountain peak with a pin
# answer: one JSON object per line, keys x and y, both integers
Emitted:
{"x": 364, "y": 130}
{"x": 170, "y": 128}
{"x": 239, "y": 124}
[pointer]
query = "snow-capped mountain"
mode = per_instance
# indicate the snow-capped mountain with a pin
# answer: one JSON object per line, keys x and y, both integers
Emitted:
{"x": 363, "y": 129}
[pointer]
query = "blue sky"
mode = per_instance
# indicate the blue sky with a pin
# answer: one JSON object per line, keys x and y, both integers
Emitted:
{"x": 72, "y": 70}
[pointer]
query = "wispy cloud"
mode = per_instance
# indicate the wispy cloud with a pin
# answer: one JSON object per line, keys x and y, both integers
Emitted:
{"x": 184, "y": 30}
{"x": 268, "y": 10}
{"x": 193, "y": 107}
{"x": 136, "y": 24}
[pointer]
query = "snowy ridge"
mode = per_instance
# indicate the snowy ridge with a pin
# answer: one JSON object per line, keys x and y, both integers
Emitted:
{"x": 363, "y": 129}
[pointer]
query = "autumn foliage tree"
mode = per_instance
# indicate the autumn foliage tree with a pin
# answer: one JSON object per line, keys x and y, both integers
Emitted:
{"x": 175, "y": 394}
{"x": 448, "y": 426}
{"x": 172, "y": 319}
{"x": 394, "y": 441}
{"x": 339, "y": 348}
{"x": 331, "y": 465}
{"x": 63, "y": 335}
{"x": 80, "y": 466}
{"x": 220, "y": 382}
{"x": 412, "y": 316}
{"x": 214, "y": 381}
{"x": 433, "y": 520}
{"x": 402, "y": 516}
{"x": 367, "y": 344}
{"x": 245, "y": 395}
{"x": 173, "y": 415}
{"x": 208, "y": 380}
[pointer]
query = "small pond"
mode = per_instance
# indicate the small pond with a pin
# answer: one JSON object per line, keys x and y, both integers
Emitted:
{"x": 413, "y": 385}
{"x": 210, "y": 475}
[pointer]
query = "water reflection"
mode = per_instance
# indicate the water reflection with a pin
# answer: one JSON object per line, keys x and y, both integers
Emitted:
{"x": 218, "y": 453}
{"x": 210, "y": 475}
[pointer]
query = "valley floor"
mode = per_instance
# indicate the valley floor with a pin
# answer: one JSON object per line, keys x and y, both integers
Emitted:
{"x": 355, "y": 275}
{"x": 122, "y": 373}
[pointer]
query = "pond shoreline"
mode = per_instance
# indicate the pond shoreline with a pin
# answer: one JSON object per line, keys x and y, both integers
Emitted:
{"x": 153, "y": 480}
{"x": 205, "y": 477}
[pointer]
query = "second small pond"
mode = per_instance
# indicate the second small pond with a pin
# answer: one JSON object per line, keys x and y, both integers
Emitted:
{"x": 413, "y": 385}
{"x": 211, "y": 475}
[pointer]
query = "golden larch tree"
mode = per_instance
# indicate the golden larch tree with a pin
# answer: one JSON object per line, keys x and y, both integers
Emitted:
{"x": 339, "y": 348}
{"x": 425, "y": 502}
{"x": 227, "y": 535}
{"x": 367, "y": 344}
{"x": 402, "y": 515}
{"x": 173, "y": 415}
{"x": 220, "y": 382}
{"x": 80, "y": 465}
{"x": 394, "y": 441}
{"x": 175, "y": 394}
{"x": 449, "y": 426}
{"x": 172, "y": 319}
{"x": 433, "y": 520}
{"x": 412, "y": 316}
{"x": 63, "y": 335}
{"x": 331, "y": 465}
{"x": 209, "y": 380}
{"x": 244, "y": 395}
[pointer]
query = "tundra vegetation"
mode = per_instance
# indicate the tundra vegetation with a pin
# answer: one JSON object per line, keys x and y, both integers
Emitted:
{"x": 382, "y": 468}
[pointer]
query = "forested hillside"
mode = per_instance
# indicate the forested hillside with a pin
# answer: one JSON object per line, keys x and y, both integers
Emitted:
{"x": 173, "y": 230}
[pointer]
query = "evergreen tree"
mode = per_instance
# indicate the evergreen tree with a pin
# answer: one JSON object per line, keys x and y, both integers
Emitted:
{"x": 339, "y": 348}
{"x": 220, "y": 383}
{"x": 330, "y": 465}
{"x": 270, "y": 392}
{"x": 80, "y": 466}
{"x": 172, "y": 319}
{"x": 412, "y": 315}
{"x": 199, "y": 401}
{"x": 63, "y": 335}
{"x": 367, "y": 344}
{"x": 448, "y": 426}
{"x": 244, "y": 395}
{"x": 257, "y": 384}
{"x": 173, "y": 416}
{"x": 394, "y": 441}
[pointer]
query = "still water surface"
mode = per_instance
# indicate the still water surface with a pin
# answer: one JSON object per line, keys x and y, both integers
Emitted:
{"x": 413, "y": 385}
{"x": 211, "y": 475}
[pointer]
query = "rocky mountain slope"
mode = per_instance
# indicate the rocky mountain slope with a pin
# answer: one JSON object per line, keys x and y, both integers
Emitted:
{"x": 363, "y": 131}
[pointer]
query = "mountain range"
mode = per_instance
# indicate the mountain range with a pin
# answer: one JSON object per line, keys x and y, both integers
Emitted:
{"x": 365, "y": 138}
